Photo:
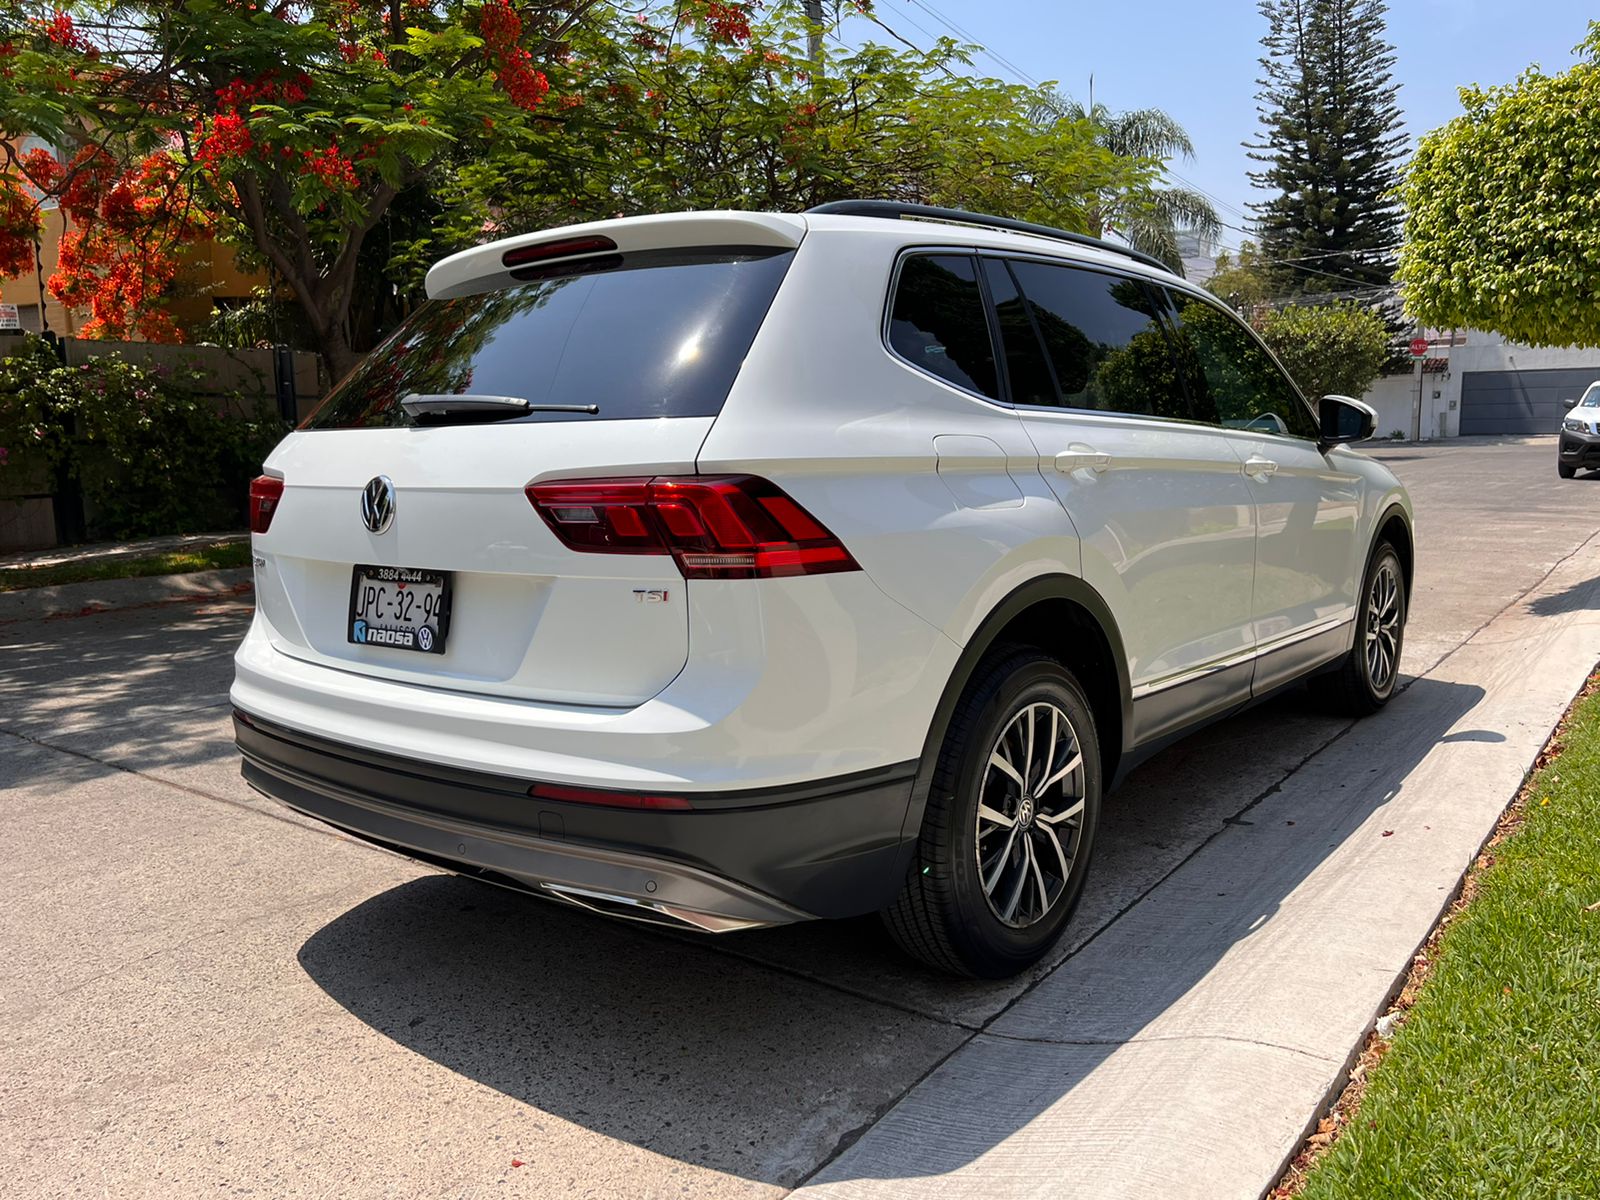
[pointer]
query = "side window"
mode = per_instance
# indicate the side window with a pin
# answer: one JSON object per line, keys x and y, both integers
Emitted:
{"x": 1026, "y": 368}
{"x": 1235, "y": 382}
{"x": 938, "y": 323}
{"x": 1105, "y": 340}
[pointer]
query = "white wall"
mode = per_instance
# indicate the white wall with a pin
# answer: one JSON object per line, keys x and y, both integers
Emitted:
{"x": 1394, "y": 396}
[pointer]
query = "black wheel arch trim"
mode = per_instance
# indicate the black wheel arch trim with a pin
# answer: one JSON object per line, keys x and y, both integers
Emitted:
{"x": 1036, "y": 591}
{"x": 1408, "y": 553}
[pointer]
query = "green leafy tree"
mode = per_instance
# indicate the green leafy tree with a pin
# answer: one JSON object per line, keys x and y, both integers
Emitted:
{"x": 1503, "y": 210}
{"x": 1151, "y": 215}
{"x": 680, "y": 115}
{"x": 1244, "y": 281}
{"x": 1332, "y": 140}
{"x": 1328, "y": 349}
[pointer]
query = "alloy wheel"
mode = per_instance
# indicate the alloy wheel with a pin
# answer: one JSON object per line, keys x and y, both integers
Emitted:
{"x": 1030, "y": 814}
{"x": 1383, "y": 626}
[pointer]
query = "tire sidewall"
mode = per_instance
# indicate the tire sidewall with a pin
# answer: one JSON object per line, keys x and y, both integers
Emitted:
{"x": 989, "y": 938}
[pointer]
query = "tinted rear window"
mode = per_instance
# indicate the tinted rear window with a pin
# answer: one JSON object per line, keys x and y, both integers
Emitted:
{"x": 939, "y": 325}
{"x": 659, "y": 334}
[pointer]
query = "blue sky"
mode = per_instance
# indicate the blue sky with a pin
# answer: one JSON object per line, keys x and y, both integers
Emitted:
{"x": 1197, "y": 59}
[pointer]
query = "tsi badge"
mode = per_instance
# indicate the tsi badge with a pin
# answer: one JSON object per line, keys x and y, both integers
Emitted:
{"x": 649, "y": 595}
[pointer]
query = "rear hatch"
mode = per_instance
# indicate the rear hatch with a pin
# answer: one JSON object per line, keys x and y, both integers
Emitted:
{"x": 403, "y": 544}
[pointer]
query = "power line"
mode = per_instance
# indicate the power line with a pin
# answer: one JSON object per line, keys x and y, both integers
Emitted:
{"x": 967, "y": 36}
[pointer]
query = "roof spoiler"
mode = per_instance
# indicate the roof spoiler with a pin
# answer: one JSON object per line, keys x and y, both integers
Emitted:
{"x": 494, "y": 265}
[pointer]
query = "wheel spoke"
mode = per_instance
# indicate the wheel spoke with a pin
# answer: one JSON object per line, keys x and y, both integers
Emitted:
{"x": 1027, "y": 759}
{"x": 1038, "y": 877}
{"x": 1072, "y": 810}
{"x": 1002, "y": 764}
{"x": 1016, "y": 892}
{"x": 1055, "y": 844}
{"x": 1072, "y": 765}
{"x": 1000, "y": 863}
{"x": 995, "y": 817}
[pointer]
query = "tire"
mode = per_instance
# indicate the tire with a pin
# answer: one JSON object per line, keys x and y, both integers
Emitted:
{"x": 979, "y": 899}
{"x": 1566, "y": 470}
{"x": 1365, "y": 679}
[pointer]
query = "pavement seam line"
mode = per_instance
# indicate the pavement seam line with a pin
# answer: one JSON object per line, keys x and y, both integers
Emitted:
{"x": 1166, "y": 1037}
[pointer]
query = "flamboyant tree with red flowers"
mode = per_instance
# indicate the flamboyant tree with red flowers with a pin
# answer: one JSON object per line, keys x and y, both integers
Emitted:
{"x": 288, "y": 127}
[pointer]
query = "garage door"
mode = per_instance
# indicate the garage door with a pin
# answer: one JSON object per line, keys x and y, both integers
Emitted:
{"x": 1520, "y": 401}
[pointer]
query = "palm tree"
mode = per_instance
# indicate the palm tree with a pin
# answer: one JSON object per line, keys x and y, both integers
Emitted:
{"x": 1150, "y": 218}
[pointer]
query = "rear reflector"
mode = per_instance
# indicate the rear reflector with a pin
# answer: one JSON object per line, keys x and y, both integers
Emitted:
{"x": 265, "y": 493}
{"x": 716, "y": 527}
{"x": 577, "y": 795}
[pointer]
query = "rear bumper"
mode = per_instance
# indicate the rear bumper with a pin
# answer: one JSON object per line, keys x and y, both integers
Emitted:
{"x": 735, "y": 860}
{"x": 1579, "y": 449}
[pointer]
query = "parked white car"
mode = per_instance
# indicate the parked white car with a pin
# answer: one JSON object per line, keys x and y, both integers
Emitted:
{"x": 729, "y": 569}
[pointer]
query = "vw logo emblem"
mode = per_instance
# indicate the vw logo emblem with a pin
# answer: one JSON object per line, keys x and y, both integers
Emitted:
{"x": 377, "y": 504}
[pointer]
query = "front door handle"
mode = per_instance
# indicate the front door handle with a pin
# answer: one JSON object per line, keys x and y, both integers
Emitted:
{"x": 1258, "y": 468}
{"x": 1069, "y": 461}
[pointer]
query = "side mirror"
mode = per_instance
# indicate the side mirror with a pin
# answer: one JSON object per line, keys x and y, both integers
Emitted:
{"x": 1569, "y": 403}
{"x": 1345, "y": 419}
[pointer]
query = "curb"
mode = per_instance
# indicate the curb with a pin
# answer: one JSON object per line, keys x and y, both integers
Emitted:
{"x": 86, "y": 599}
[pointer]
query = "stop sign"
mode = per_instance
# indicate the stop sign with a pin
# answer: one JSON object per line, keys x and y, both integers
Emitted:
{"x": 1419, "y": 347}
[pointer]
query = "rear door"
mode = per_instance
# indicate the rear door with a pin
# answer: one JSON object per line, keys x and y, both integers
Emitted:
{"x": 649, "y": 341}
{"x": 1162, "y": 510}
{"x": 1308, "y": 555}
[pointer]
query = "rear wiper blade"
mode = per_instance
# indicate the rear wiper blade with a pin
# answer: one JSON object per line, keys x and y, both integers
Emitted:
{"x": 419, "y": 405}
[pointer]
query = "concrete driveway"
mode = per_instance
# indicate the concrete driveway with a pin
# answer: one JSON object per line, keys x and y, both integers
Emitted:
{"x": 200, "y": 992}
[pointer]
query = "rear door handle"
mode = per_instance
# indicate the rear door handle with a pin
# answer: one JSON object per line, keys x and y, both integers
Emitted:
{"x": 1069, "y": 461}
{"x": 1257, "y": 467}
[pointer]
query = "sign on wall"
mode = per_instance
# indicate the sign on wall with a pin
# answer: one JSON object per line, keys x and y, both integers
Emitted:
{"x": 10, "y": 318}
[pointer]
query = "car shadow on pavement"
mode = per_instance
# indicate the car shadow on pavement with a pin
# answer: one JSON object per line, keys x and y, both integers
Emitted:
{"x": 722, "y": 1062}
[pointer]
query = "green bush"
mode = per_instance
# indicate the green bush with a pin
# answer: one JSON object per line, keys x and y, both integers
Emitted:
{"x": 1329, "y": 349}
{"x": 148, "y": 450}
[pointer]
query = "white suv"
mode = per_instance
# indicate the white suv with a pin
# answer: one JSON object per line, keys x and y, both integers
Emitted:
{"x": 728, "y": 569}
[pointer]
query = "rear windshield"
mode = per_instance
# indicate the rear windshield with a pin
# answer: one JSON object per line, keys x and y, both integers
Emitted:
{"x": 656, "y": 334}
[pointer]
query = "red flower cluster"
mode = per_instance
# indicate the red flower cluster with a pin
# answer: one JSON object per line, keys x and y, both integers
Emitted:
{"x": 19, "y": 226}
{"x": 60, "y": 30}
{"x": 725, "y": 22}
{"x": 242, "y": 93}
{"x": 229, "y": 138}
{"x": 330, "y": 166}
{"x": 501, "y": 28}
{"x": 120, "y": 257}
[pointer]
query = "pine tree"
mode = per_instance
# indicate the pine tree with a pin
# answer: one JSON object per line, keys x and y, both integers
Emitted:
{"x": 1331, "y": 145}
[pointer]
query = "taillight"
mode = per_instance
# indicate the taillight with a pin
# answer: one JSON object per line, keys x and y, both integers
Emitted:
{"x": 716, "y": 527}
{"x": 578, "y": 795}
{"x": 265, "y": 492}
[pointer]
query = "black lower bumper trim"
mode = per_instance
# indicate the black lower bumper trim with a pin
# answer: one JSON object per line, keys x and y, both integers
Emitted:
{"x": 832, "y": 848}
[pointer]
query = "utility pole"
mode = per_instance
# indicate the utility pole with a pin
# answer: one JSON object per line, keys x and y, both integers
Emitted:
{"x": 814, "y": 34}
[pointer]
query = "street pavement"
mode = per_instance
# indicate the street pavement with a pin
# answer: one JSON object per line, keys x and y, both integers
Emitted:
{"x": 201, "y": 992}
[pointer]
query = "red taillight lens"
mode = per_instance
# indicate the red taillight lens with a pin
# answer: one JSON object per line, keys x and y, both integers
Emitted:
{"x": 577, "y": 795}
{"x": 560, "y": 249}
{"x": 727, "y": 527}
{"x": 265, "y": 492}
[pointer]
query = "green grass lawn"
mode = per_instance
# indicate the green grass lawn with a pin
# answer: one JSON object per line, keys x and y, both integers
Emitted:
{"x": 212, "y": 556}
{"x": 1491, "y": 1087}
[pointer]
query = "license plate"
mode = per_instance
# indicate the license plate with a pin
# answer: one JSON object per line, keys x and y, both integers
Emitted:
{"x": 400, "y": 607}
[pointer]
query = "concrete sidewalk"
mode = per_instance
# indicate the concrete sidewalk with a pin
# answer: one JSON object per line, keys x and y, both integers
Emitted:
{"x": 1189, "y": 1047}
